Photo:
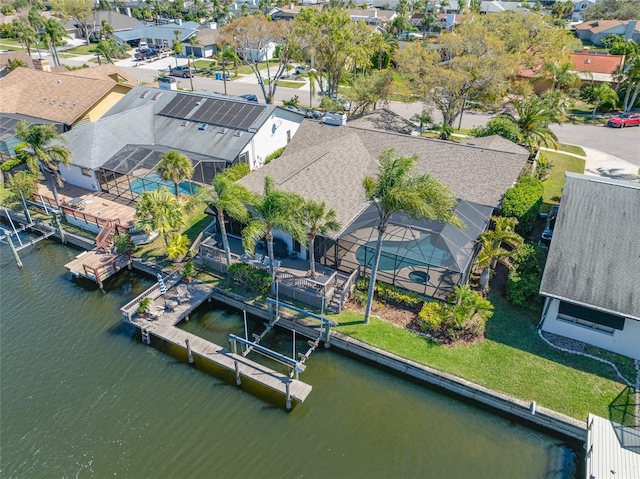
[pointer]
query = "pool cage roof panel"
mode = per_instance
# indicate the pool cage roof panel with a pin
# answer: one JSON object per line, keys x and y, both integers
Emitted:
{"x": 414, "y": 242}
{"x": 142, "y": 160}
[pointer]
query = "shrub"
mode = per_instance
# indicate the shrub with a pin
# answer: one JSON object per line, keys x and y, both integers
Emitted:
{"x": 273, "y": 155}
{"x": 178, "y": 246}
{"x": 501, "y": 126}
{"x": 523, "y": 283}
{"x": 432, "y": 315}
{"x": 122, "y": 242}
{"x": 6, "y": 29}
{"x": 523, "y": 201}
{"x": 252, "y": 279}
{"x": 545, "y": 165}
{"x": 391, "y": 294}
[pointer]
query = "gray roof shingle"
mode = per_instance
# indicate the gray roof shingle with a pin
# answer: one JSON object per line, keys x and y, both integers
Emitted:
{"x": 594, "y": 257}
{"x": 328, "y": 163}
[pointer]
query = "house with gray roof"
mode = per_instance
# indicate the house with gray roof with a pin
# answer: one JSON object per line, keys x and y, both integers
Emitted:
{"x": 591, "y": 281}
{"x": 159, "y": 35}
{"x": 328, "y": 163}
{"x": 119, "y": 153}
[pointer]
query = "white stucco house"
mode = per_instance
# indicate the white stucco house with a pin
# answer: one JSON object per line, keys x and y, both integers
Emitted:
{"x": 119, "y": 153}
{"x": 591, "y": 281}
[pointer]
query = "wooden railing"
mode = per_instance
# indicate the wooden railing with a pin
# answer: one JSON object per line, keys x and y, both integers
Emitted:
{"x": 86, "y": 217}
{"x": 348, "y": 287}
{"x": 109, "y": 267}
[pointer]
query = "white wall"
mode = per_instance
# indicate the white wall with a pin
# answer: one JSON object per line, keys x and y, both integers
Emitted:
{"x": 273, "y": 135}
{"x": 625, "y": 342}
{"x": 73, "y": 175}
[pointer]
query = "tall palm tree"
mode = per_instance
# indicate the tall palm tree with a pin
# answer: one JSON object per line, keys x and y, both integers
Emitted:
{"x": 231, "y": 198}
{"x": 26, "y": 35}
{"x": 46, "y": 145}
{"x": 13, "y": 63}
{"x": 54, "y": 33}
{"x": 273, "y": 209}
{"x": 318, "y": 220}
{"x": 193, "y": 43}
{"x": 177, "y": 45}
{"x": 175, "y": 167}
{"x": 560, "y": 75}
{"x": 603, "y": 93}
{"x": 160, "y": 211}
{"x": 397, "y": 188}
{"x": 228, "y": 53}
{"x": 492, "y": 251}
{"x": 533, "y": 119}
{"x": 107, "y": 29}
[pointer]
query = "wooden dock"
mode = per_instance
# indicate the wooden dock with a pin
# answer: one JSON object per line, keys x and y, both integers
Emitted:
{"x": 162, "y": 321}
{"x": 97, "y": 265}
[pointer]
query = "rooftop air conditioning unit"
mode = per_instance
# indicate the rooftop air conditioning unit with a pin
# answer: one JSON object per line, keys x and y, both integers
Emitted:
{"x": 336, "y": 119}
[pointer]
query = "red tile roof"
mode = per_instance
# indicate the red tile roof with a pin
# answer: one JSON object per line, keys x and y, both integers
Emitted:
{"x": 596, "y": 63}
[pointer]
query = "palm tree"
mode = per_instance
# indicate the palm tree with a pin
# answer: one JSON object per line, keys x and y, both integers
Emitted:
{"x": 468, "y": 304}
{"x": 193, "y": 43}
{"x": 13, "y": 63}
{"x": 492, "y": 250}
{"x": 160, "y": 211}
{"x": 107, "y": 29}
{"x": 560, "y": 75}
{"x": 46, "y": 145}
{"x": 54, "y": 33}
{"x": 603, "y": 93}
{"x": 533, "y": 118}
{"x": 231, "y": 198}
{"x": 273, "y": 209}
{"x": 228, "y": 53}
{"x": 26, "y": 35}
{"x": 177, "y": 45}
{"x": 396, "y": 188}
{"x": 175, "y": 167}
{"x": 109, "y": 49}
{"x": 424, "y": 119}
{"x": 318, "y": 220}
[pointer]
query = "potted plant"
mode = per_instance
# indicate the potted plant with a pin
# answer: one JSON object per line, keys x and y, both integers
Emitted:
{"x": 188, "y": 271}
{"x": 143, "y": 306}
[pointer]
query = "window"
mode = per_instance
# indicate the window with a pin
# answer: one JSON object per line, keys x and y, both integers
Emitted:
{"x": 586, "y": 324}
{"x": 86, "y": 171}
{"x": 590, "y": 318}
{"x": 288, "y": 136}
{"x": 244, "y": 158}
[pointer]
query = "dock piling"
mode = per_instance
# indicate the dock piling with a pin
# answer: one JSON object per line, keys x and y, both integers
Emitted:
{"x": 238, "y": 380}
{"x": 288, "y": 403}
{"x": 189, "y": 351}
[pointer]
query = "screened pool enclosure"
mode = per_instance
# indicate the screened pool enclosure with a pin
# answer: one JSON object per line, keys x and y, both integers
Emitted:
{"x": 133, "y": 170}
{"x": 425, "y": 257}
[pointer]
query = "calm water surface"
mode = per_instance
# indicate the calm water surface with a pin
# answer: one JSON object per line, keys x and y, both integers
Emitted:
{"x": 82, "y": 397}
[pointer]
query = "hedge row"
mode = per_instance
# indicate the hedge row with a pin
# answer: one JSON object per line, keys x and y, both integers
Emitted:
{"x": 522, "y": 201}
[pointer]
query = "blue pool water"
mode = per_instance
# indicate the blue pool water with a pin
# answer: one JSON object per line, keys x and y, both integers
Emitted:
{"x": 154, "y": 181}
{"x": 396, "y": 255}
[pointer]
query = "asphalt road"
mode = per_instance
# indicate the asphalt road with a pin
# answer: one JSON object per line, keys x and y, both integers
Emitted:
{"x": 621, "y": 143}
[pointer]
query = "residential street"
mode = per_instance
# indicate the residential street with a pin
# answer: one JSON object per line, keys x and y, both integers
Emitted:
{"x": 620, "y": 143}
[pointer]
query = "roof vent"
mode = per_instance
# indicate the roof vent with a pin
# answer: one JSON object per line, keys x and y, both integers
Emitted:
{"x": 203, "y": 126}
{"x": 156, "y": 96}
{"x": 73, "y": 105}
{"x": 43, "y": 100}
{"x": 222, "y": 130}
{"x": 144, "y": 93}
{"x": 52, "y": 102}
{"x": 237, "y": 133}
{"x": 183, "y": 123}
{"x": 63, "y": 103}
{"x": 59, "y": 81}
{"x": 588, "y": 60}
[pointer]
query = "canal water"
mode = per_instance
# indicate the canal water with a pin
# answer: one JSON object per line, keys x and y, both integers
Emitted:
{"x": 83, "y": 397}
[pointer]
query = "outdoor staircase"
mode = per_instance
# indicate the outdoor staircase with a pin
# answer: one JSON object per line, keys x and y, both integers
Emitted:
{"x": 334, "y": 305}
{"x": 104, "y": 240}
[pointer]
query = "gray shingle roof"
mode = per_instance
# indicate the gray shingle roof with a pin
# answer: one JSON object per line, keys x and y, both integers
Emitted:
{"x": 328, "y": 163}
{"x": 594, "y": 257}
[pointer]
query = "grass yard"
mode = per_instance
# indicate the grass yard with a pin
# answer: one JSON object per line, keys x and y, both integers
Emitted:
{"x": 11, "y": 44}
{"x": 81, "y": 50}
{"x": 512, "y": 360}
{"x": 288, "y": 84}
{"x": 205, "y": 64}
{"x": 247, "y": 70}
{"x": 576, "y": 150}
{"x": 554, "y": 184}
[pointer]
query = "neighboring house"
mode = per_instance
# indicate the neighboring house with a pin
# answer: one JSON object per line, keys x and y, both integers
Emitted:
{"x": 595, "y": 30}
{"x": 328, "y": 163}
{"x": 161, "y": 35}
{"x": 5, "y": 57}
{"x": 372, "y": 16}
{"x": 208, "y": 37}
{"x": 596, "y": 67}
{"x": 496, "y": 6}
{"x": 591, "y": 279}
{"x": 69, "y": 98}
{"x": 290, "y": 11}
{"x": 579, "y": 6}
{"x": 8, "y": 140}
{"x": 119, "y": 154}
{"x": 118, "y": 21}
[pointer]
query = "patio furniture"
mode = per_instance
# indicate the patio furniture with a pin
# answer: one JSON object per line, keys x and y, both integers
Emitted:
{"x": 155, "y": 314}
{"x": 171, "y": 305}
{"x": 183, "y": 293}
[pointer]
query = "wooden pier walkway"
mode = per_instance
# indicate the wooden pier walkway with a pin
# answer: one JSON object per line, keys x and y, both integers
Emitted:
{"x": 169, "y": 309}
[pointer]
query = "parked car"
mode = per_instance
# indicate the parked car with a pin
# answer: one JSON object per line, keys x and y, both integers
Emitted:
{"x": 301, "y": 70}
{"x": 183, "y": 71}
{"x": 410, "y": 36}
{"x": 624, "y": 119}
{"x": 250, "y": 97}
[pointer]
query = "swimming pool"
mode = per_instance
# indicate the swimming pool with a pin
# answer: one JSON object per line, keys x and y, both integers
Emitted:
{"x": 396, "y": 255}
{"x": 154, "y": 182}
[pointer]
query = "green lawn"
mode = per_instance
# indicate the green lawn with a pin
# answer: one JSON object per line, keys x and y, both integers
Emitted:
{"x": 247, "y": 70}
{"x": 11, "y": 44}
{"x": 81, "y": 50}
{"x": 576, "y": 150}
{"x": 512, "y": 360}
{"x": 554, "y": 184}
{"x": 205, "y": 64}
{"x": 288, "y": 84}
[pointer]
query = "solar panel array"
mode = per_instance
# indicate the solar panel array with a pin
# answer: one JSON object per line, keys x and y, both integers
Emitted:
{"x": 238, "y": 115}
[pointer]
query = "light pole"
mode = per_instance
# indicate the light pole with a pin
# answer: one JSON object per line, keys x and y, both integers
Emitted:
{"x": 312, "y": 86}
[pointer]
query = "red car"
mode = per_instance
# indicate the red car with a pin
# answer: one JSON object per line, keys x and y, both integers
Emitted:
{"x": 624, "y": 119}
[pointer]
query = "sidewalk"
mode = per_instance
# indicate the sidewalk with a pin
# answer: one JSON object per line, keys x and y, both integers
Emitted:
{"x": 601, "y": 164}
